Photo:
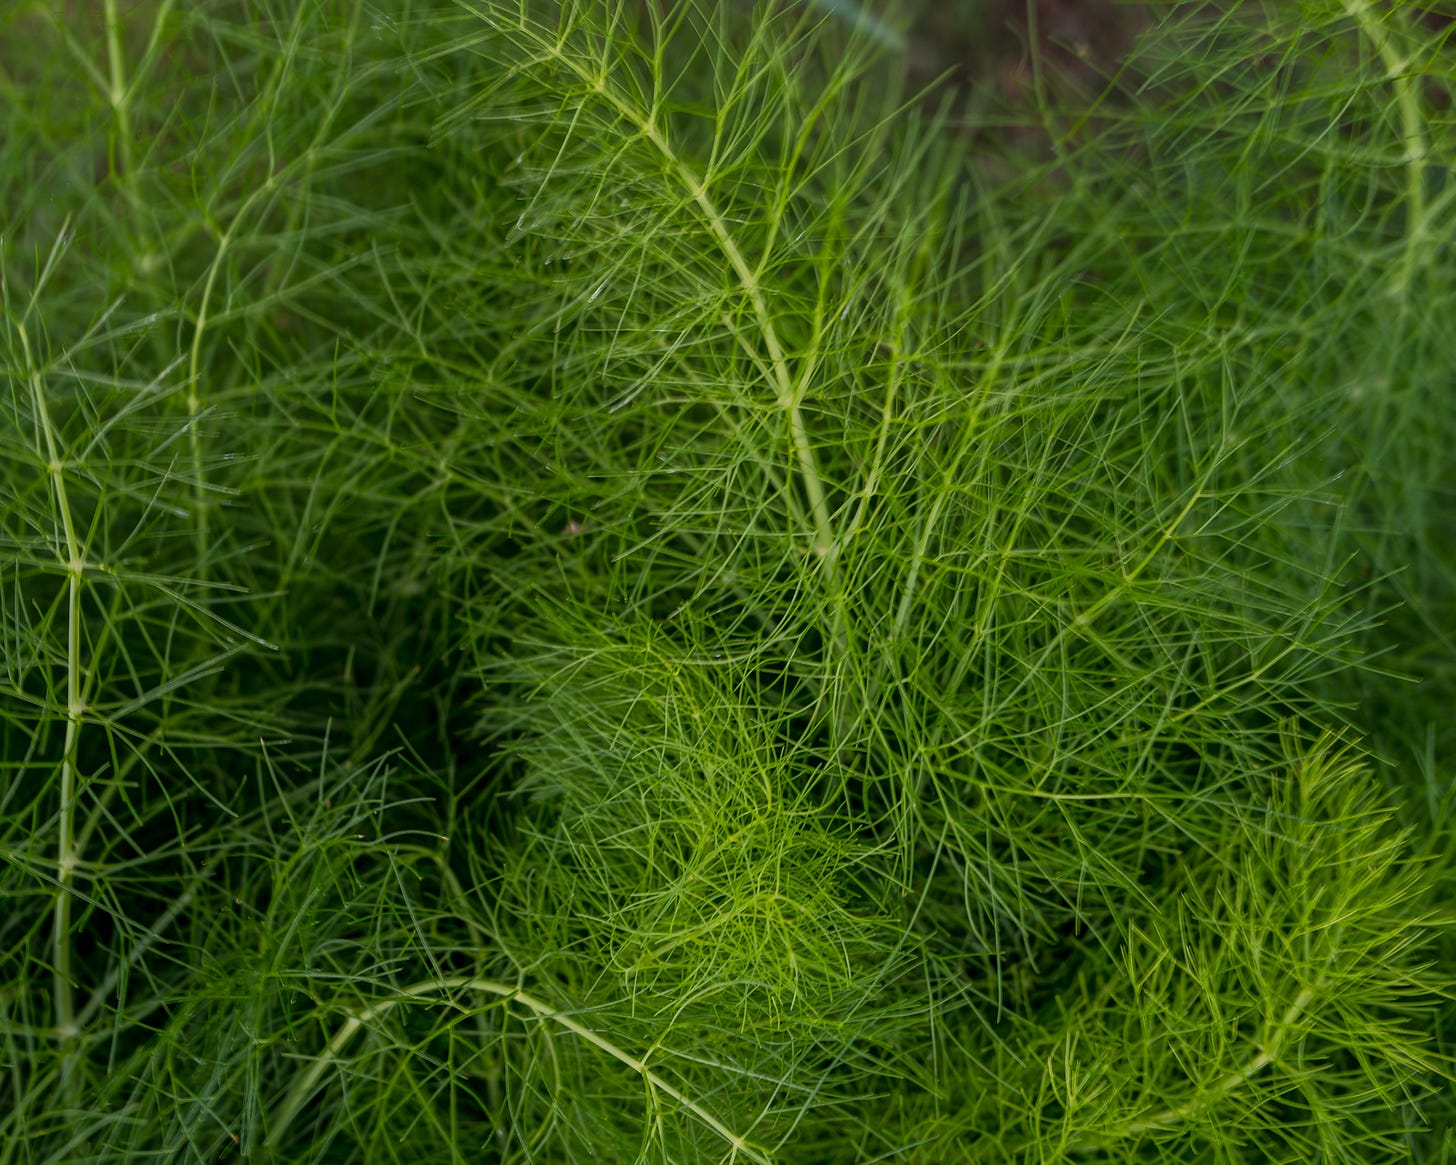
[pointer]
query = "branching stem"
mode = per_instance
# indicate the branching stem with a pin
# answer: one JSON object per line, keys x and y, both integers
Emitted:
{"x": 1269, "y": 1052}
{"x": 66, "y": 856}
{"x": 308, "y": 1081}
{"x": 788, "y": 390}
{"x": 116, "y": 91}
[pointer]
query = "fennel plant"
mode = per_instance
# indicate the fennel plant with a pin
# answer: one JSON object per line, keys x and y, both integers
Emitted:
{"x": 602, "y": 582}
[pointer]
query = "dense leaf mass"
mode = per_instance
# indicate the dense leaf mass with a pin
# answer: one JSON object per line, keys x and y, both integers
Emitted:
{"x": 600, "y": 582}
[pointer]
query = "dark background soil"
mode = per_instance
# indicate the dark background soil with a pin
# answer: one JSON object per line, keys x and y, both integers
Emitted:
{"x": 995, "y": 41}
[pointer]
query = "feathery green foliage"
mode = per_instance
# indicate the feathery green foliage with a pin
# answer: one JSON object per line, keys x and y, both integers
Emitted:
{"x": 599, "y": 581}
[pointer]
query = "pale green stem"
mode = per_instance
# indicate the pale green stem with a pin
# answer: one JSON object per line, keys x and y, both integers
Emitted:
{"x": 194, "y": 401}
{"x": 116, "y": 95}
{"x": 66, "y": 856}
{"x": 224, "y": 243}
{"x": 1417, "y": 148}
{"x": 308, "y": 1081}
{"x": 790, "y": 395}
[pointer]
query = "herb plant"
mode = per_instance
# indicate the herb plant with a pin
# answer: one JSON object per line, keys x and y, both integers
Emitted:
{"x": 602, "y": 582}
